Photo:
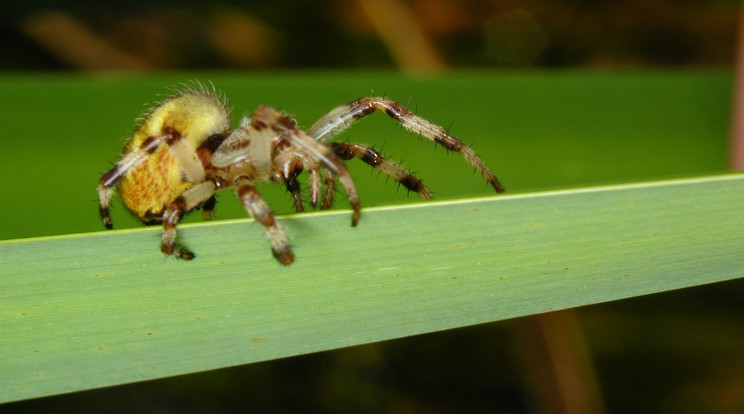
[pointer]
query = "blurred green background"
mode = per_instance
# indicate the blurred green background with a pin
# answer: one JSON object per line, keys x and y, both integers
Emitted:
{"x": 551, "y": 94}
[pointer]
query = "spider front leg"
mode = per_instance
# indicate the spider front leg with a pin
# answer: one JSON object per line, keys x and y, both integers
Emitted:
{"x": 260, "y": 211}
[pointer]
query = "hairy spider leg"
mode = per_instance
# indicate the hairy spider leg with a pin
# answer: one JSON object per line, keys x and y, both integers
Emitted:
{"x": 265, "y": 117}
{"x": 260, "y": 211}
{"x": 342, "y": 117}
{"x": 295, "y": 190}
{"x": 128, "y": 163}
{"x": 174, "y": 211}
{"x": 329, "y": 184}
{"x": 315, "y": 183}
{"x": 392, "y": 169}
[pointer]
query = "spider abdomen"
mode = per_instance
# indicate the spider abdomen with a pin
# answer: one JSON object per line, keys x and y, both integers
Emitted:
{"x": 149, "y": 187}
{"x": 169, "y": 152}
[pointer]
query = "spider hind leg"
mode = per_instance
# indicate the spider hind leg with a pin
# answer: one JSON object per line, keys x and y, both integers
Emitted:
{"x": 342, "y": 117}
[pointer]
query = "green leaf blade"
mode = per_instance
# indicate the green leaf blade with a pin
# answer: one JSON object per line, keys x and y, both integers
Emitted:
{"x": 93, "y": 310}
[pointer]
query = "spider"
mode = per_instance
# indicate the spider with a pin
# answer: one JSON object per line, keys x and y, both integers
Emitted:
{"x": 183, "y": 152}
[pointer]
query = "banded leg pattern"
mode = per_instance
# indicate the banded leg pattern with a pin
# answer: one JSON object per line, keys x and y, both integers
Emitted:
{"x": 388, "y": 167}
{"x": 261, "y": 212}
{"x": 342, "y": 117}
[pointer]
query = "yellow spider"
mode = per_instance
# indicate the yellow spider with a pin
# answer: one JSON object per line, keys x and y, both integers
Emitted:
{"x": 183, "y": 152}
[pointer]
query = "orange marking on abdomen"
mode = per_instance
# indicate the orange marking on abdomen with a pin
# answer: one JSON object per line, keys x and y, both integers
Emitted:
{"x": 152, "y": 185}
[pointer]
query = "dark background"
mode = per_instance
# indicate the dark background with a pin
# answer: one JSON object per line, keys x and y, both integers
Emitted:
{"x": 148, "y": 35}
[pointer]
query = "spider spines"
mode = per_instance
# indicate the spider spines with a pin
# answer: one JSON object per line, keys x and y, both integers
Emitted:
{"x": 295, "y": 196}
{"x": 415, "y": 108}
{"x": 497, "y": 186}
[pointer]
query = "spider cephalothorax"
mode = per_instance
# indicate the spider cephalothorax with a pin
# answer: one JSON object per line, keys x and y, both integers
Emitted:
{"x": 183, "y": 152}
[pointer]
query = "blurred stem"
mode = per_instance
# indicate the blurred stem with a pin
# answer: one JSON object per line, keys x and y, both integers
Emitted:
{"x": 737, "y": 138}
{"x": 560, "y": 370}
{"x": 403, "y": 36}
{"x": 73, "y": 42}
